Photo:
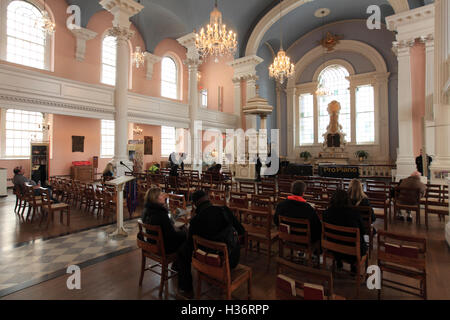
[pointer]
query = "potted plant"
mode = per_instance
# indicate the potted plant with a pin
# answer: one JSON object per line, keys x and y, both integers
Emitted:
{"x": 305, "y": 155}
{"x": 361, "y": 155}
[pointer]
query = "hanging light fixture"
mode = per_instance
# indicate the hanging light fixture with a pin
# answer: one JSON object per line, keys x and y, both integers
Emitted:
{"x": 281, "y": 68}
{"x": 322, "y": 89}
{"x": 139, "y": 57}
{"x": 45, "y": 23}
{"x": 216, "y": 41}
{"x": 137, "y": 131}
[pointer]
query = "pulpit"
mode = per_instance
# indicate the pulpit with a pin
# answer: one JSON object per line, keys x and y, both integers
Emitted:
{"x": 119, "y": 184}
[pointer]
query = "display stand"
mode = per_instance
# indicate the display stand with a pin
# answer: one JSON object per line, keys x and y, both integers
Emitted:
{"x": 119, "y": 184}
{"x": 40, "y": 163}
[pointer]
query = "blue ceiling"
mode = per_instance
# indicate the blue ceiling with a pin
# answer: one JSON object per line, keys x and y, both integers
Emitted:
{"x": 162, "y": 19}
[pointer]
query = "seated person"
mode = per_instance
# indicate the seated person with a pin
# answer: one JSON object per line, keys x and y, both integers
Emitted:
{"x": 358, "y": 197}
{"x": 340, "y": 213}
{"x": 296, "y": 207}
{"x": 155, "y": 213}
{"x": 108, "y": 173}
{"x": 412, "y": 182}
{"x": 208, "y": 222}
{"x": 19, "y": 181}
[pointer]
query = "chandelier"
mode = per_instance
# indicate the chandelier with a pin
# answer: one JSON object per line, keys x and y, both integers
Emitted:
{"x": 46, "y": 24}
{"x": 281, "y": 68}
{"x": 139, "y": 57}
{"x": 322, "y": 90}
{"x": 137, "y": 131}
{"x": 216, "y": 41}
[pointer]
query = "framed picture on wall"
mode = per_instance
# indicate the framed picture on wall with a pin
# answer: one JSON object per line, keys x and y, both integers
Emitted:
{"x": 148, "y": 145}
{"x": 77, "y": 144}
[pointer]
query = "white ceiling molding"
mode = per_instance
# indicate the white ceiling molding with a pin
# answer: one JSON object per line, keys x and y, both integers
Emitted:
{"x": 151, "y": 60}
{"x": 362, "y": 48}
{"x": 82, "y": 35}
{"x": 399, "y": 5}
{"x": 268, "y": 21}
{"x": 245, "y": 67}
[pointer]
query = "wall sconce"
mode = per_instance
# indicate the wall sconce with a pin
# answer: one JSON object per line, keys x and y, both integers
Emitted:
{"x": 137, "y": 131}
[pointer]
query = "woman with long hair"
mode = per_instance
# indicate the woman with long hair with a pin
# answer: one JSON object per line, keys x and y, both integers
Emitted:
{"x": 155, "y": 213}
{"x": 109, "y": 171}
{"x": 358, "y": 196}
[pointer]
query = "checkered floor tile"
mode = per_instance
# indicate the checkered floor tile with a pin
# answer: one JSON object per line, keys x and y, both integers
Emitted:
{"x": 35, "y": 261}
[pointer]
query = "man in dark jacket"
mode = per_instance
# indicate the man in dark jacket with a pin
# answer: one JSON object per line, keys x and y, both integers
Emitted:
{"x": 419, "y": 163}
{"x": 208, "y": 221}
{"x": 408, "y": 189}
{"x": 296, "y": 207}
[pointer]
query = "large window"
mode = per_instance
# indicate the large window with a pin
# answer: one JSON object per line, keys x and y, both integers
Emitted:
{"x": 365, "y": 114}
{"x": 204, "y": 98}
{"x": 109, "y": 51}
{"x": 21, "y": 127}
{"x": 334, "y": 79}
{"x": 25, "y": 41}
{"x": 169, "y": 78}
{"x": 167, "y": 141}
{"x": 306, "y": 119}
{"x": 107, "y": 146}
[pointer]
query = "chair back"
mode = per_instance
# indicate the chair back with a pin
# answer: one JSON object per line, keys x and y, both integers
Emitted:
{"x": 260, "y": 202}
{"x": 257, "y": 221}
{"x": 284, "y": 186}
{"x": 211, "y": 259}
{"x": 366, "y": 216}
{"x": 218, "y": 197}
{"x": 296, "y": 231}
{"x": 45, "y": 198}
{"x": 407, "y": 196}
{"x": 267, "y": 187}
{"x": 345, "y": 240}
{"x": 176, "y": 201}
{"x": 238, "y": 200}
{"x": 247, "y": 187}
{"x": 150, "y": 240}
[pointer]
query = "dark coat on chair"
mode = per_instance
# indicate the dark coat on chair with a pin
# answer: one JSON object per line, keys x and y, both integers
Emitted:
{"x": 157, "y": 215}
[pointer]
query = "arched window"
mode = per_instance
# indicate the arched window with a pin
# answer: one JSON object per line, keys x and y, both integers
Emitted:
{"x": 25, "y": 43}
{"x": 169, "y": 78}
{"x": 109, "y": 51}
{"x": 334, "y": 79}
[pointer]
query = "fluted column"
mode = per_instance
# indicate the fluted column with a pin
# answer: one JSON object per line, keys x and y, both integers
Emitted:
{"x": 429, "y": 141}
{"x": 122, "y": 10}
{"x": 441, "y": 162}
{"x": 291, "y": 105}
{"x": 250, "y": 119}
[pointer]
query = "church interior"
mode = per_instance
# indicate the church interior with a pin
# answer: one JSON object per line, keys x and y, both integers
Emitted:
{"x": 265, "y": 108}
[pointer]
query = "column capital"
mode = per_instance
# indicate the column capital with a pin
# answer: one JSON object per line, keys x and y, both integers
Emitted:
{"x": 121, "y": 33}
{"x": 245, "y": 67}
{"x": 192, "y": 55}
{"x": 82, "y": 35}
{"x": 122, "y": 10}
{"x": 402, "y": 48}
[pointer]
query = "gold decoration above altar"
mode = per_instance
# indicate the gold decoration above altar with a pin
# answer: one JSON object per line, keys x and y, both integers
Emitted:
{"x": 330, "y": 41}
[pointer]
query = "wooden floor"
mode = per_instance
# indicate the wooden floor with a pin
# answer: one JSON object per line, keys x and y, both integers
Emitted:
{"x": 117, "y": 278}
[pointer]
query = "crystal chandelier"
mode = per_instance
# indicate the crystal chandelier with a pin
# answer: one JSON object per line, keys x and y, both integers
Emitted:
{"x": 281, "y": 68}
{"x": 216, "y": 41}
{"x": 139, "y": 57}
{"x": 46, "y": 24}
{"x": 137, "y": 131}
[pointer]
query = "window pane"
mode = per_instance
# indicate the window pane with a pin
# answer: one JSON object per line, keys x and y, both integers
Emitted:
{"x": 21, "y": 128}
{"x": 306, "y": 119}
{"x": 334, "y": 79}
{"x": 107, "y": 145}
{"x": 365, "y": 114}
{"x": 167, "y": 141}
{"x": 109, "y": 51}
{"x": 25, "y": 43}
{"x": 169, "y": 78}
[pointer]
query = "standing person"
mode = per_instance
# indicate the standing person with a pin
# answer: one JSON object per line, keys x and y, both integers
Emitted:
{"x": 340, "y": 213}
{"x": 156, "y": 214}
{"x": 182, "y": 158}
{"x": 419, "y": 163}
{"x": 296, "y": 207}
{"x": 408, "y": 196}
{"x": 209, "y": 222}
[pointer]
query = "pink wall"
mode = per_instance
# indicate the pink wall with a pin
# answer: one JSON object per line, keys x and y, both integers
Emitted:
{"x": 155, "y": 132}
{"x": 215, "y": 75}
{"x": 418, "y": 93}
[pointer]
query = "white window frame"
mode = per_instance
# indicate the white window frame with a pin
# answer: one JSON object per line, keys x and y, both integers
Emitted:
{"x": 102, "y": 154}
{"x": 204, "y": 95}
{"x": 356, "y": 113}
{"x": 178, "y": 75}
{"x": 313, "y": 119}
{"x": 105, "y": 35}
{"x": 3, "y": 134}
{"x": 49, "y": 43}
{"x": 164, "y": 154}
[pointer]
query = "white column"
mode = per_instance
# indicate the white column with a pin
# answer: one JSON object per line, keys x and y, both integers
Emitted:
{"x": 250, "y": 119}
{"x": 237, "y": 101}
{"x": 405, "y": 157}
{"x": 192, "y": 62}
{"x": 429, "y": 89}
{"x": 291, "y": 103}
{"x": 352, "y": 115}
{"x": 279, "y": 90}
{"x": 441, "y": 91}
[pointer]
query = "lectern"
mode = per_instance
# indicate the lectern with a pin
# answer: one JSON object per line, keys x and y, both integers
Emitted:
{"x": 119, "y": 184}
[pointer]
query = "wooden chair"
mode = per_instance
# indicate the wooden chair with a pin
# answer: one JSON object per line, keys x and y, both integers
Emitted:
{"x": 20, "y": 200}
{"x": 258, "y": 225}
{"x": 150, "y": 240}
{"x": 405, "y": 256}
{"x": 334, "y": 241}
{"x": 413, "y": 196}
{"x": 260, "y": 202}
{"x": 381, "y": 204}
{"x": 177, "y": 201}
{"x": 49, "y": 208}
{"x": 267, "y": 187}
{"x": 295, "y": 234}
{"x": 184, "y": 187}
{"x": 218, "y": 197}
{"x": 284, "y": 186}
{"x": 301, "y": 276}
{"x": 366, "y": 216}
{"x": 34, "y": 202}
{"x": 218, "y": 273}
{"x": 247, "y": 187}
{"x": 437, "y": 204}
